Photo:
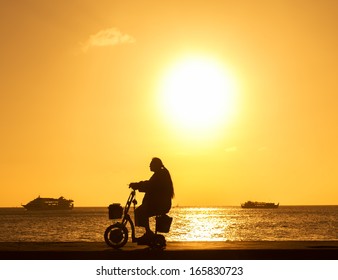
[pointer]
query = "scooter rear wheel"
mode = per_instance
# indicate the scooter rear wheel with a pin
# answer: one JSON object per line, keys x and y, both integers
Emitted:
{"x": 116, "y": 235}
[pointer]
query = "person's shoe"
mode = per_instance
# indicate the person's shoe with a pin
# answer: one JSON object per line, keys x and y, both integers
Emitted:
{"x": 145, "y": 239}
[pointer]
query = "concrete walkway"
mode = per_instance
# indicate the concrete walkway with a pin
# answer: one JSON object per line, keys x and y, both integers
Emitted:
{"x": 239, "y": 250}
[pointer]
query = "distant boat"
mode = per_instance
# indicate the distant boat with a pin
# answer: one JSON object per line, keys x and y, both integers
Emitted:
{"x": 255, "y": 204}
{"x": 41, "y": 203}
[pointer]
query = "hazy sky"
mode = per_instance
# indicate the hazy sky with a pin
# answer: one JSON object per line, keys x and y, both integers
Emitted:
{"x": 82, "y": 110}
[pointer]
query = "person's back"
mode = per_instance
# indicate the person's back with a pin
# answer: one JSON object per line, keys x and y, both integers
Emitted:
{"x": 159, "y": 192}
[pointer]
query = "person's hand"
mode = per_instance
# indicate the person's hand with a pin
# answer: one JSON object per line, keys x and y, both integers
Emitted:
{"x": 133, "y": 186}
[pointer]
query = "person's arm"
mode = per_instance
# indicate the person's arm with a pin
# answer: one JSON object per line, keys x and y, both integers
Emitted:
{"x": 144, "y": 186}
{"x": 141, "y": 186}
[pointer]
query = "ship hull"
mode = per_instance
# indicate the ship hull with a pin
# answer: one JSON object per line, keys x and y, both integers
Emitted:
{"x": 42, "y": 208}
{"x": 259, "y": 205}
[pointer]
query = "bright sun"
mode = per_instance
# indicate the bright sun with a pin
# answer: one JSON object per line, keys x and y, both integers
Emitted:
{"x": 198, "y": 95}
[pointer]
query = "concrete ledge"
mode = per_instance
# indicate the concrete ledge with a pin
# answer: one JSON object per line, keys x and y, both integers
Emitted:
{"x": 242, "y": 250}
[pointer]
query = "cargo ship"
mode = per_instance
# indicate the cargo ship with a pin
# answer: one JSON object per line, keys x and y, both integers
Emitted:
{"x": 255, "y": 204}
{"x": 41, "y": 203}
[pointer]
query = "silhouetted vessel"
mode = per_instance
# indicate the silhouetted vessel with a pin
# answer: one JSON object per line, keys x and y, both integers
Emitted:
{"x": 41, "y": 203}
{"x": 255, "y": 204}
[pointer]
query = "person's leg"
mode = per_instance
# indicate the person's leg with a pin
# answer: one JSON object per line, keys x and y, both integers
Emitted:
{"x": 142, "y": 220}
{"x": 140, "y": 216}
{"x": 146, "y": 225}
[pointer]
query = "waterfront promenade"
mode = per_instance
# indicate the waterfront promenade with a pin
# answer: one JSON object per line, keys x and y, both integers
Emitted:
{"x": 239, "y": 250}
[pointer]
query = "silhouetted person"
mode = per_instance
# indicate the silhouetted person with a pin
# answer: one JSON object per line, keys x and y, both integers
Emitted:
{"x": 159, "y": 192}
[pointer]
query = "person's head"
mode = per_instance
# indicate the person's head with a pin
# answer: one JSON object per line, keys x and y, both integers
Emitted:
{"x": 156, "y": 164}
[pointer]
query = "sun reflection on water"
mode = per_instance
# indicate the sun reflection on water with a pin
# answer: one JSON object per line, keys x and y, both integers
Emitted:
{"x": 200, "y": 224}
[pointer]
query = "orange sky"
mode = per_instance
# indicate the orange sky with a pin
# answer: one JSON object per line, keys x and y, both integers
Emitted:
{"x": 79, "y": 100}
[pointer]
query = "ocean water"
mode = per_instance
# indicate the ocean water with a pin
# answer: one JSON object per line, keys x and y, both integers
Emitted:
{"x": 189, "y": 224}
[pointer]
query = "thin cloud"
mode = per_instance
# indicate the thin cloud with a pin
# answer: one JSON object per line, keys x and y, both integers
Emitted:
{"x": 107, "y": 37}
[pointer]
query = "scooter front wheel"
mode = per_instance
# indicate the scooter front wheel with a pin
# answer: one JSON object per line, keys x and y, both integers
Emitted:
{"x": 116, "y": 235}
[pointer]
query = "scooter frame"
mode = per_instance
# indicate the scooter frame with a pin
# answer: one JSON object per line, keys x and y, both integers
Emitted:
{"x": 116, "y": 235}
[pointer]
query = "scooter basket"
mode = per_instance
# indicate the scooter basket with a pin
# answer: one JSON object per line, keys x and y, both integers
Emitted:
{"x": 163, "y": 223}
{"x": 115, "y": 211}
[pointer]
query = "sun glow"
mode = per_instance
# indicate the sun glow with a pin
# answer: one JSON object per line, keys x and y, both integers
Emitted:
{"x": 198, "y": 95}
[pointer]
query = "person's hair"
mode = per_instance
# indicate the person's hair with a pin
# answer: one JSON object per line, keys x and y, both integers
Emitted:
{"x": 158, "y": 162}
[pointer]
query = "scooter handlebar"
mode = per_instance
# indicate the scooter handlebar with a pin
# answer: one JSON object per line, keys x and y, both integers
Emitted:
{"x": 133, "y": 186}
